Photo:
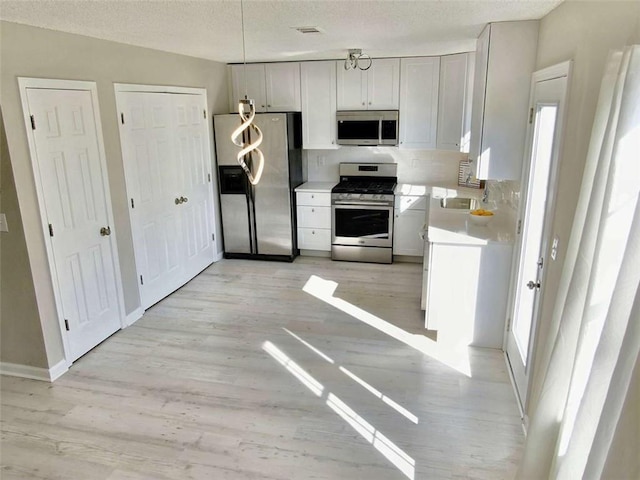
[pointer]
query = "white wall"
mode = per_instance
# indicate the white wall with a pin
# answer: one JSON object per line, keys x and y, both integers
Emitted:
{"x": 35, "y": 52}
{"x": 584, "y": 32}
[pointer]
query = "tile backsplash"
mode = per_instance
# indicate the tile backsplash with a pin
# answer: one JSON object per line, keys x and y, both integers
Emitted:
{"x": 414, "y": 166}
{"x": 419, "y": 167}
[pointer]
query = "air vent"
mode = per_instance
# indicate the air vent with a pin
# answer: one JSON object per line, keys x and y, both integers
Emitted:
{"x": 306, "y": 30}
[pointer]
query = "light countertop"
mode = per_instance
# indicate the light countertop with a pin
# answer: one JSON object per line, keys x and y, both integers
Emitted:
{"x": 452, "y": 226}
{"x": 318, "y": 187}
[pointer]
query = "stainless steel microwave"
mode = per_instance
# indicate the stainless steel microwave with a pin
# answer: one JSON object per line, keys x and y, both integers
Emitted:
{"x": 367, "y": 127}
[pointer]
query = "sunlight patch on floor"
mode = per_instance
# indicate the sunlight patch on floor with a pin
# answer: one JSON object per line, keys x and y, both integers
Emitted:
{"x": 295, "y": 369}
{"x": 393, "y": 453}
{"x": 453, "y": 355}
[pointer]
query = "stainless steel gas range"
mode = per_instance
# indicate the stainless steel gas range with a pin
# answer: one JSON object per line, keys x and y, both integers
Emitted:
{"x": 362, "y": 213}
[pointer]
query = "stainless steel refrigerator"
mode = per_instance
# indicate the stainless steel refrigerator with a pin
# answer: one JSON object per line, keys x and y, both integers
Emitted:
{"x": 260, "y": 221}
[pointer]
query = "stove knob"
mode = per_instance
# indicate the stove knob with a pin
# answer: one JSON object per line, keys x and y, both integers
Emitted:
{"x": 348, "y": 196}
{"x": 362, "y": 196}
{"x": 375, "y": 197}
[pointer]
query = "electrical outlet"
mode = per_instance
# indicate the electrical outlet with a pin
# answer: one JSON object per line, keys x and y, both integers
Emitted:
{"x": 321, "y": 161}
{"x": 3, "y": 223}
{"x": 554, "y": 247}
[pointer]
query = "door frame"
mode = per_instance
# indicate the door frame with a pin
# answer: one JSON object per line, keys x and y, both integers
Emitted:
{"x": 563, "y": 69}
{"x": 25, "y": 83}
{"x": 142, "y": 88}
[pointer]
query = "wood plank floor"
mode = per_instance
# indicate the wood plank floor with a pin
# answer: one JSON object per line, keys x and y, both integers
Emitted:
{"x": 260, "y": 370}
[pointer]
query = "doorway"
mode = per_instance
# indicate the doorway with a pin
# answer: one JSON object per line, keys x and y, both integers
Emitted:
{"x": 544, "y": 139}
{"x": 69, "y": 164}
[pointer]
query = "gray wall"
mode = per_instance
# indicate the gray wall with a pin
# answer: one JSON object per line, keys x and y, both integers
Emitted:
{"x": 35, "y": 52}
{"x": 584, "y": 32}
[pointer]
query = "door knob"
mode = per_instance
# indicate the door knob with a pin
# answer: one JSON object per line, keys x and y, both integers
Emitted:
{"x": 184, "y": 199}
{"x": 531, "y": 285}
{"x": 105, "y": 231}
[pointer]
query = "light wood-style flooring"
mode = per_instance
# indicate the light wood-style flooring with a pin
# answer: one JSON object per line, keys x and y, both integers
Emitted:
{"x": 262, "y": 370}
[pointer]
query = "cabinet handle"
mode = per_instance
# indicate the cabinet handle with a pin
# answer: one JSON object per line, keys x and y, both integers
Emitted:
{"x": 313, "y": 210}
{"x": 369, "y": 103}
{"x": 312, "y": 196}
{"x": 313, "y": 232}
{"x": 269, "y": 106}
{"x": 362, "y": 103}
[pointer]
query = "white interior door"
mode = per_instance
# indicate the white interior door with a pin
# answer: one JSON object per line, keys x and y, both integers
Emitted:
{"x": 194, "y": 164}
{"x": 166, "y": 153}
{"x": 544, "y": 139}
{"x": 71, "y": 172}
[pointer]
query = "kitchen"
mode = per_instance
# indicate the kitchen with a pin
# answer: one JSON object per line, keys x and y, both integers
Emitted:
{"x": 613, "y": 27}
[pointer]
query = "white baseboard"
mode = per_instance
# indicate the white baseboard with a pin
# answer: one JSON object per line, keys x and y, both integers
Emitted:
{"x": 34, "y": 373}
{"x": 134, "y": 316}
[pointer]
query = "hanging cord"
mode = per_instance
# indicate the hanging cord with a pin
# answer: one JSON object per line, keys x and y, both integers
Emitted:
{"x": 244, "y": 51}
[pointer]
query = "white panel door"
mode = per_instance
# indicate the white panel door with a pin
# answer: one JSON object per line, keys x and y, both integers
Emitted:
{"x": 167, "y": 158}
{"x": 151, "y": 173}
{"x": 73, "y": 177}
{"x": 194, "y": 165}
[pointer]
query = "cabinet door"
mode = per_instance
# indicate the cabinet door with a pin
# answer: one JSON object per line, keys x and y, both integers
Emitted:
{"x": 318, "y": 86}
{"x": 314, "y": 217}
{"x": 419, "y": 102}
{"x": 254, "y": 88}
{"x": 351, "y": 88}
{"x": 283, "y": 87}
{"x": 406, "y": 232}
{"x": 383, "y": 84}
{"x": 479, "y": 88}
{"x": 314, "y": 239}
{"x": 451, "y": 102}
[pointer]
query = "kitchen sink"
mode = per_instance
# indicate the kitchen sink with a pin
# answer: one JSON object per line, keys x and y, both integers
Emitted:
{"x": 459, "y": 203}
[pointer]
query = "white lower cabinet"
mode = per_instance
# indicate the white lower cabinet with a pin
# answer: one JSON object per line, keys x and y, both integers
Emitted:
{"x": 314, "y": 220}
{"x": 409, "y": 218}
{"x": 467, "y": 289}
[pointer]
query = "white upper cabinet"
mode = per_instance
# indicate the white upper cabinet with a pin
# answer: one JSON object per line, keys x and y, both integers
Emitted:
{"x": 454, "y": 105}
{"x": 419, "y": 102}
{"x": 318, "y": 87}
{"x": 254, "y": 87}
{"x": 505, "y": 60}
{"x": 374, "y": 89}
{"x": 275, "y": 87}
{"x": 283, "y": 87}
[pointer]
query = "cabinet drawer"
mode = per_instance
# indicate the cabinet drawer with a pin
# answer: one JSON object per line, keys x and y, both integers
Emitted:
{"x": 314, "y": 239}
{"x": 314, "y": 198}
{"x": 314, "y": 217}
{"x": 410, "y": 202}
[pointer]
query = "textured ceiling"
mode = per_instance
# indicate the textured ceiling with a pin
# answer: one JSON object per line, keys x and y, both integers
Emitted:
{"x": 211, "y": 29}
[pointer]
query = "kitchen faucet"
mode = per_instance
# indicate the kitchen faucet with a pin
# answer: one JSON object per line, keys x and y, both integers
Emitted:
{"x": 485, "y": 195}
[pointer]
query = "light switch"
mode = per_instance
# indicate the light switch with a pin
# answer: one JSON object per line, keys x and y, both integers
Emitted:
{"x": 3, "y": 223}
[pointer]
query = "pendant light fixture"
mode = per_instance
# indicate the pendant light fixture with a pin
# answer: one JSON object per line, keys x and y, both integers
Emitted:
{"x": 247, "y": 111}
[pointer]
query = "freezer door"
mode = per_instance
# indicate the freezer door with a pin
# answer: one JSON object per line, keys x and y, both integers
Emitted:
{"x": 235, "y": 223}
{"x": 274, "y": 228}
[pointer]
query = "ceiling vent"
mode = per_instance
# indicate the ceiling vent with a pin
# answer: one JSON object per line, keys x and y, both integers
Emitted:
{"x": 307, "y": 30}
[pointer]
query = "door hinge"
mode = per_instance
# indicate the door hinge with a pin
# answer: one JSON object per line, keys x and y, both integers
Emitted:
{"x": 132, "y": 204}
{"x": 531, "y": 115}
{"x": 519, "y": 228}
{"x": 213, "y": 237}
{"x": 209, "y": 177}
{"x": 205, "y": 113}
{"x": 509, "y": 324}
{"x": 33, "y": 122}
{"x": 122, "y": 118}
{"x": 141, "y": 280}
{"x": 66, "y": 324}
{"x": 50, "y": 230}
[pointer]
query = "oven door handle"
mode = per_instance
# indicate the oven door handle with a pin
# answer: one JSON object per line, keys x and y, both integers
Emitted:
{"x": 380, "y": 130}
{"x": 375, "y": 204}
